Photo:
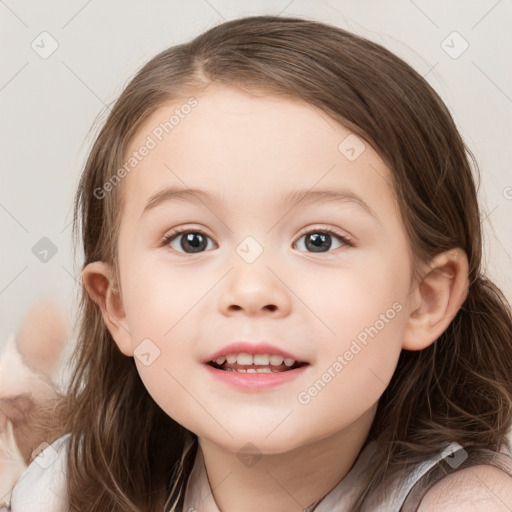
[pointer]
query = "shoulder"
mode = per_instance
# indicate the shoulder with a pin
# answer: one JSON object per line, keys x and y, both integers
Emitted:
{"x": 42, "y": 486}
{"x": 470, "y": 489}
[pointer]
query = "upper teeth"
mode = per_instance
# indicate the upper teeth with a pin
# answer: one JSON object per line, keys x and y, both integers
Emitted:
{"x": 262, "y": 359}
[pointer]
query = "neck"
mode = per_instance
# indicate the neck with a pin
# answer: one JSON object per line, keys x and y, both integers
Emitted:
{"x": 284, "y": 482}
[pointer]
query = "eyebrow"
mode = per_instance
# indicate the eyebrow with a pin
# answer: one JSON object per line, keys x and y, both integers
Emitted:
{"x": 296, "y": 197}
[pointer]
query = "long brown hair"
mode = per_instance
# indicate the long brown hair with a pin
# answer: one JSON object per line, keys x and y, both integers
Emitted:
{"x": 124, "y": 452}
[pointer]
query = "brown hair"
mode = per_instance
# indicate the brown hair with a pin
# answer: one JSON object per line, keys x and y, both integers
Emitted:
{"x": 124, "y": 452}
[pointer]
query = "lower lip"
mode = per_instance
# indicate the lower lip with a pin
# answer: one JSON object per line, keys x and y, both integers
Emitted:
{"x": 256, "y": 381}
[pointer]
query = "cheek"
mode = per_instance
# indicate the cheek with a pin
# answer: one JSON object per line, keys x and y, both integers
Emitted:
{"x": 157, "y": 297}
{"x": 349, "y": 302}
{"x": 364, "y": 322}
{"x": 163, "y": 381}
{"x": 355, "y": 366}
{"x": 160, "y": 310}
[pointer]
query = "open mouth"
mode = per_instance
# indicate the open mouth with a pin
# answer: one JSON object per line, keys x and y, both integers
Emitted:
{"x": 255, "y": 368}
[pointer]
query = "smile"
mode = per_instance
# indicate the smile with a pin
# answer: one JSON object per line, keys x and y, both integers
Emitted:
{"x": 258, "y": 363}
{"x": 255, "y": 377}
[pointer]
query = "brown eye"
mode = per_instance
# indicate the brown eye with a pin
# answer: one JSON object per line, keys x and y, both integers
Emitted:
{"x": 189, "y": 242}
{"x": 321, "y": 240}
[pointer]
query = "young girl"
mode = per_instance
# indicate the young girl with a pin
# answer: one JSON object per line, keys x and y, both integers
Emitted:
{"x": 283, "y": 303}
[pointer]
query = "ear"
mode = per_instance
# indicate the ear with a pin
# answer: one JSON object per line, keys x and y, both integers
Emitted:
{"x": 437, "y": 299}
{"x": 99, "y": 281}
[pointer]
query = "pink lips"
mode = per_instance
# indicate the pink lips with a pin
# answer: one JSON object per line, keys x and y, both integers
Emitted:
{"x": 250, "y": 348}
{"x": 254, "y": 382}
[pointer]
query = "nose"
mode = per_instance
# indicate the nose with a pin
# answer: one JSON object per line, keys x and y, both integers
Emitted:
{"x": 254, "y": 289}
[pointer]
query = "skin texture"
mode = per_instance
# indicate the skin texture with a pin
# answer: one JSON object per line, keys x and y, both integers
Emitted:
{"x": 252, "y": 150}
{"x": 471, "y": 489}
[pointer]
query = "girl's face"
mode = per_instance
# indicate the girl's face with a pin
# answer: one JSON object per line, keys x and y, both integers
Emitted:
{"x": 297, "y": 244}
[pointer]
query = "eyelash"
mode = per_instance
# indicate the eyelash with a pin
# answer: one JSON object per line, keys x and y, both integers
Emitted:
{"x": 346, "y": 241}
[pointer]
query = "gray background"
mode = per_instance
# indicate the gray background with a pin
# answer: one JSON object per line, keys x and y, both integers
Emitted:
{"x": 50, "y": 104}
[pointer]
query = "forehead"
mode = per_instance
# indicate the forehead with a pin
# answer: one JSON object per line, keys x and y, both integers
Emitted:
{"x": 247, "y": 144}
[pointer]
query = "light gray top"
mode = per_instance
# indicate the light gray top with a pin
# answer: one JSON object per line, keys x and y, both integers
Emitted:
{"x": 198, "y": 496}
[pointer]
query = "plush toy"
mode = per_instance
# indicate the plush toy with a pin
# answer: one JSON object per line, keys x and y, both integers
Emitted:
{"x": 29, "y": 374}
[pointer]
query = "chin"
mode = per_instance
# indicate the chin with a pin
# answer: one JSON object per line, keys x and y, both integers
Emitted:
{"x": 256, "y": 442}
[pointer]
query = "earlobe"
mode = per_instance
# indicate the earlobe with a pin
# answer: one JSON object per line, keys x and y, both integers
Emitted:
{"x": 440, "y": 294}
{"x": 99, "y": 281}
